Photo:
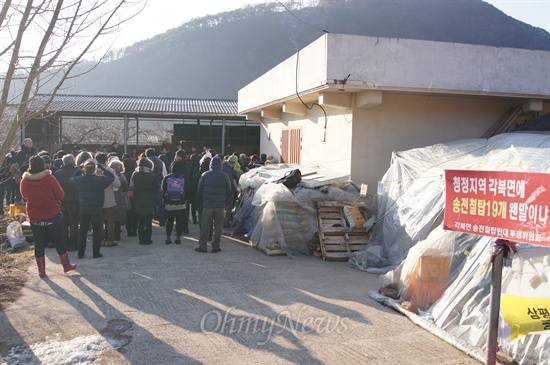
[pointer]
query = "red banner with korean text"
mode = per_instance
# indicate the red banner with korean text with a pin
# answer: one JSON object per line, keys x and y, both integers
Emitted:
{"x": 500, "y": 204}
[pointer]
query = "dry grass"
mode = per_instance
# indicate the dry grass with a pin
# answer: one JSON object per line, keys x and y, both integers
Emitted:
{"x": 13, "y": 269}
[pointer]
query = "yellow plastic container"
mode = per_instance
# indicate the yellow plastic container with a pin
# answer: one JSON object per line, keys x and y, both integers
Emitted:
{"x": 16, "y": 209}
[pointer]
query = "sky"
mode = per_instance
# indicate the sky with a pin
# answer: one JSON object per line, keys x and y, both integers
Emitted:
{"x": 162, "y": 15}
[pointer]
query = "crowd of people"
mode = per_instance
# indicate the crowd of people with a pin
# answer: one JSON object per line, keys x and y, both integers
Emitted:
{"x": 69, "y": 194}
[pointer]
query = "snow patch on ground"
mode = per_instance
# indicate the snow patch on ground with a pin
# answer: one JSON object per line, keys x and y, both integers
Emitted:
{"x": 83, "y": 350}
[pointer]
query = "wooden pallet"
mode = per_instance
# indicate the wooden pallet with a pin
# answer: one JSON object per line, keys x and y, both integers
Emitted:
{"x": 338, "y": 241}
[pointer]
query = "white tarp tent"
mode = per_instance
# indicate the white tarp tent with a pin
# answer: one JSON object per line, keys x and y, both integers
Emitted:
{"x": 408, "y": 229}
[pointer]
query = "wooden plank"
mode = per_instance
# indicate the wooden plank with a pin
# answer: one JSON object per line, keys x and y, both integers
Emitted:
{"x": 331, "y": 203}
{"x": 350, "y": 231}
{"x": 335, "y": 248}
{"x": 338, "y": 255}
{"x": 332, "y": 240}
{"x": 344, "y": 248}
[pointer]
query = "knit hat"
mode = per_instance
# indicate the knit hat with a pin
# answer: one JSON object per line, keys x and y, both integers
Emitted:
{"x": 145, "y": 162}
{"x": 181, "y": 154}
{"x": 233, "y": 159}
{"x": 36, "y": 164}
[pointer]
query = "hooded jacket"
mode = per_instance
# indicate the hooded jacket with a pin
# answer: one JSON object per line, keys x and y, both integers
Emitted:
{"x": 63, "y": 175}
{"x": 91, "y": 188}
{"x": 43, "y": 195}
{"x": 145, "y": 186}
{"x": 214, "y": 186}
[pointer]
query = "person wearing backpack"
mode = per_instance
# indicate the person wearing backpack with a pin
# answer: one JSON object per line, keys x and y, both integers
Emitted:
{"x": 175, "y": 187}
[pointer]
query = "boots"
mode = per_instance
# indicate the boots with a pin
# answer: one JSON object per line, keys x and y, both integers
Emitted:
{"x": 67, "y": 266}
{"x": 41, "y": 263}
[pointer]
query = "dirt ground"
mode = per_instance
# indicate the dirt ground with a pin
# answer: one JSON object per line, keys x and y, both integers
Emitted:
{"x": 13, "y": 267}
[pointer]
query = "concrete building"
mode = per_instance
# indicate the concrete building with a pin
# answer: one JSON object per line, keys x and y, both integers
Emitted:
{"x": 346, "y": 102}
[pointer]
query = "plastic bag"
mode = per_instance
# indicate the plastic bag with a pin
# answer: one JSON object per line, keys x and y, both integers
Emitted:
{"x": 15, "y": 235}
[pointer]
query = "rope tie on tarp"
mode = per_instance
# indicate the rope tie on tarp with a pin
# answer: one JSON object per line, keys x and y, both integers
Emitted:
{"x": 503, "y": 245}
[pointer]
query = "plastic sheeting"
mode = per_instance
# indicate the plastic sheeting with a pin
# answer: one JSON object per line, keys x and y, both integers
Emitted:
{"x": 411, "y": 195}
{"x": 277, "y": 218}
{"x": 409, "y": 240}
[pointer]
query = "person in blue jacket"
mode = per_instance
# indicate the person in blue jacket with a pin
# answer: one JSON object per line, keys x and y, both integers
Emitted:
{"x": 214, "y": 187}
{"x": 91, "y": 194}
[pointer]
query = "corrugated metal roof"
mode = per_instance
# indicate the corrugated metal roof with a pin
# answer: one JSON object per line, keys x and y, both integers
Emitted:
{"x": 134, "y": 105}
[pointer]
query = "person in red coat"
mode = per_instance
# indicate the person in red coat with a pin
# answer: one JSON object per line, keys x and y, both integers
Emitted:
{"x": 43, "y": 195}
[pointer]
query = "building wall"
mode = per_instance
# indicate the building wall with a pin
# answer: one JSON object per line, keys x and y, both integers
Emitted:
{"x": 333, "y": 154}
{"x": 404, "y": 122}
{"x": 393, "y": 64}
{"x": 451, "y": 68}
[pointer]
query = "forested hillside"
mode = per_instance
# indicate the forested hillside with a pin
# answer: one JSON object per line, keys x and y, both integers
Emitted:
{"x": 215, "y": 56}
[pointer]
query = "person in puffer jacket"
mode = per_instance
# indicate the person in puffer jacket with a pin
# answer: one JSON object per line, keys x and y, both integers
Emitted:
{"x": 91, "y": 195}
{"x": 214, "y": 187}
{"x": 145, "y": 188}
{"x": 43, "y": 195}
{"x": 159, "y": 171}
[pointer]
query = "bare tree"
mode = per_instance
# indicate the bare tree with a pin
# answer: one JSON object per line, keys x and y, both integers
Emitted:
{"x": 42, "y": 41}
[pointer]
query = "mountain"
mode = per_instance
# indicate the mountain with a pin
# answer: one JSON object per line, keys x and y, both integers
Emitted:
{"x": 214, "y": 56}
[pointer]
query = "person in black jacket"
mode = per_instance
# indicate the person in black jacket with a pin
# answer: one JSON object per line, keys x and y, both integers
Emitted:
{"x": 131, "y": 217}
{"x": 145, "y": 187}
{"x": 214, "y": 187}
{"x": 91, "y": 194}
{"x": 6, "y": 181}
{"x": 195, "y": 175}
{"x": 159, "y": 170}
{"x": 69, "y": 205}
{"x": 22, "y": 159}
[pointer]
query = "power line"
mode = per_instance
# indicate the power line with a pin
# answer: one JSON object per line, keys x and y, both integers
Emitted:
{"x": 299, "y": 19}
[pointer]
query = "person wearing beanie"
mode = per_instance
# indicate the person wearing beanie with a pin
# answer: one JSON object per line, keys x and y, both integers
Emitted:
{"x": 49, "y": 163}
{"x": 69, "y": 205}
{"x": 145, "y": 187}
{"x": 175, "y": 187}
{"x": 91, "y": 195}
{"x": 43, "y": 195}
{"x": 213, "y": 190}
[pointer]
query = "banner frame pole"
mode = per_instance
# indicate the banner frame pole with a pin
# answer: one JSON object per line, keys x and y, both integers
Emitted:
{"x": 494, "y": 307}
